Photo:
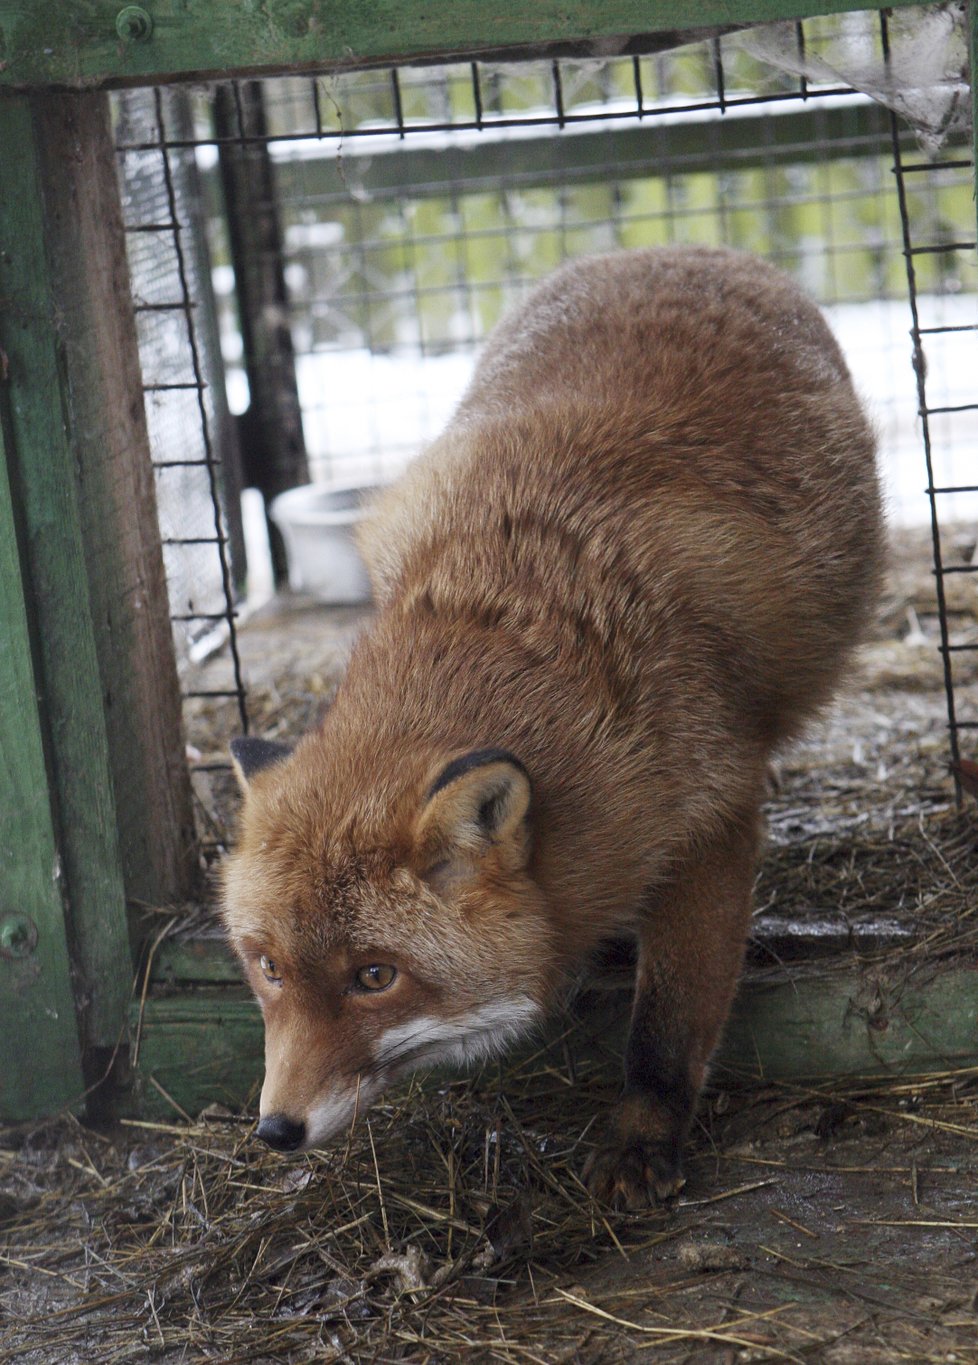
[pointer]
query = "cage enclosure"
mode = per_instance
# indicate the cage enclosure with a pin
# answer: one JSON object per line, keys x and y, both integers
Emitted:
{"x": 268, "y": 258}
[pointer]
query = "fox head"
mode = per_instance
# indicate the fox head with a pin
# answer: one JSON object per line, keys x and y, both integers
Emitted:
{"x": 381, "y": 929}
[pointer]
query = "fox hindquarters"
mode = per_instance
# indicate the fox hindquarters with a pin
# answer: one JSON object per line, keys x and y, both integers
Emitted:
{"x": 633, "y": 565}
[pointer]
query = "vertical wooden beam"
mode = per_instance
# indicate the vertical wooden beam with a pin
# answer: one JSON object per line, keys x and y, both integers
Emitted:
{"x": 43, "y": 474}
{"x": 273, "y": 448}
{"x": 119, "y": 527}
{"x": 82, "y": 486}
{"x": 40, "y": 1057}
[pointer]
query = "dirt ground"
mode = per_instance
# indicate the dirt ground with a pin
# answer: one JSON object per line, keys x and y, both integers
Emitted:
{"x": 836, "y": 1227}
{"x": 837, "y": 1223}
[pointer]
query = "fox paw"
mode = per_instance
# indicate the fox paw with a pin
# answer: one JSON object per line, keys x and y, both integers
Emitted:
{"x": 629, "y": 1176}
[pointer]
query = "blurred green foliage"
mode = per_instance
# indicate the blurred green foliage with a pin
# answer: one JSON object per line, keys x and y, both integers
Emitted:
{"x": 432, "y": 268}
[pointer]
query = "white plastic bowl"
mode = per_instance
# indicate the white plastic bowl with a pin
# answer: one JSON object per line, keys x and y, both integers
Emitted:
{"x": 317, "y": 526}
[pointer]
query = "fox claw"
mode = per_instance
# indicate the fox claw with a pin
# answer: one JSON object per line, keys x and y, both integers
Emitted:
{"x": 632, "y": 1176}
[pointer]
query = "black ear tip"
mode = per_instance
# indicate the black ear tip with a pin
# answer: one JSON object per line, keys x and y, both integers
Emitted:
{"x": 478, "y": 758}
{"x": 251, "y": 755}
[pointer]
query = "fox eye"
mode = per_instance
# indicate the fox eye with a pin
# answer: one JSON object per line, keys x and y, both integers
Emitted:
{"x": 269, "y": 969}
{"x": 376, "y": 977}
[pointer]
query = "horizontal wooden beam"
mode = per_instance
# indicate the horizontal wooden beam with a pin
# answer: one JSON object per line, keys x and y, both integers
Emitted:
{"x": 194, "y": 962}
{"x": 593, "y": 153}
{"x": 194, "y": 1048}
{"x": 814, "y": 1024}
{"x": 807, "y": 935}
{"x": 76, "y": 43}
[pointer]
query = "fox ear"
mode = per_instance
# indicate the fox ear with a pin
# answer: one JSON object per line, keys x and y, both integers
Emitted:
{"x": 478, "y": 806}
{"x": 250, "y": 756}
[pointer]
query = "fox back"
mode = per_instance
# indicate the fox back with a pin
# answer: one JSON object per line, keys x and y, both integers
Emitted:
{"x": 635, "y": 562}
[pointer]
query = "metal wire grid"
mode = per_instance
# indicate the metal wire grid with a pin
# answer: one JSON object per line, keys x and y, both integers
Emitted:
{"x": 922, "y": 242}
{"x": 360, "y": 242}
{"x": 418, "y": 259}
{"x": 168, "y": 265}
{"x": 480, "y": 96}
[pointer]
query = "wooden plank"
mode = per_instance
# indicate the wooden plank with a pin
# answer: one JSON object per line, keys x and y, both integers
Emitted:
{"x": 806, "y": 936}
{"x": 116, "y": 496}
{"x": 737, "y": 141}
{"x": 196, "y": 1048}
{"x": 40, "y": 1061}
{"x": 194, "y": 961}
{"x": 42, "y": 457}
{"x": 87, "y": 42}
{"x": 273, "y": 450}
{"x": 843, "y": 1023}
{"x": 794, "y": 1027}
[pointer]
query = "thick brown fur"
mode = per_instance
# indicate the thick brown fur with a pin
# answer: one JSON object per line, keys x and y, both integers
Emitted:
{"x": 635, "y": 563}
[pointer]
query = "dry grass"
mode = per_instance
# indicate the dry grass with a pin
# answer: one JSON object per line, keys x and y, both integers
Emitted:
{"x": 910, "y": 888}
{"x": 453, "y": 1225}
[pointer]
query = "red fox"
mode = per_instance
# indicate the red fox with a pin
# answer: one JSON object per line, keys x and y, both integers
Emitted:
{"x": 634, "y": 563}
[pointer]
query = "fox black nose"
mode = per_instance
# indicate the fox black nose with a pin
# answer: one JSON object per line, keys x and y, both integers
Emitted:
{"x": 281, "y": 1132}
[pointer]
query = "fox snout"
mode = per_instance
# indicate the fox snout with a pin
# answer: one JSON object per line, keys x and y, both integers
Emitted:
{"x": 299, "y": 1130}
{"x": 282, "y": 1133}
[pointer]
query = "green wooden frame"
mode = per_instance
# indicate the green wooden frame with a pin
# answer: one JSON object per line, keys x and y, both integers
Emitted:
{"x": 40, "y": 473}
{"x": 41, "y": 1063}
{"x": 201, "y": 1038}
{"x": 77, "y": 483}
{"x": 94, "y": 801}
{"x": 205, "y": 1046}
{"x": 81, "y": 43}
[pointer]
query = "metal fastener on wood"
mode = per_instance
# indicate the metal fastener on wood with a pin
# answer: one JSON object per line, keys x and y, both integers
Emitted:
{"x": 18, "y": 936}
{"x": 134, "y": 24}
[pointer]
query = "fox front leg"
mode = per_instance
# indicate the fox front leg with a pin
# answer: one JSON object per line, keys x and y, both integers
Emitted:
{"x": 691, "y": 948}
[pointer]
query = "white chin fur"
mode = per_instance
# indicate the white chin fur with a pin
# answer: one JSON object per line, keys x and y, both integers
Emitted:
{"x": 469, "y": 1038}
{"x": 423, "y": 1041}
{"x": 333, "y": 1115}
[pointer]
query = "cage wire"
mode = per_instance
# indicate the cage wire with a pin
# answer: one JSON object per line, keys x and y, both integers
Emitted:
{"x": 191, "y": 436}
{"x": 401, "y": 211}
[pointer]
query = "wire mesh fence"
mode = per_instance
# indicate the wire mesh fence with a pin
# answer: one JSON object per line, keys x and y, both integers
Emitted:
{"x": 395, "y": 214}
{"x": 191, "y": 436}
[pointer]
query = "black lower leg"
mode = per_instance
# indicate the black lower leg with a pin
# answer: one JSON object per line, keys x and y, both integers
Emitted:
{"x": 642, "y": 1161}
{"x": 657, "y": 1078}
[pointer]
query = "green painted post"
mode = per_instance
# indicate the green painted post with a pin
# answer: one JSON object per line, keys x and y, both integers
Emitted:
{"x": 40, "y": 1057}
{"x": 83, "y": 43}
{"x": 42, "y": 463}
{"x": 115, "y": 491}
